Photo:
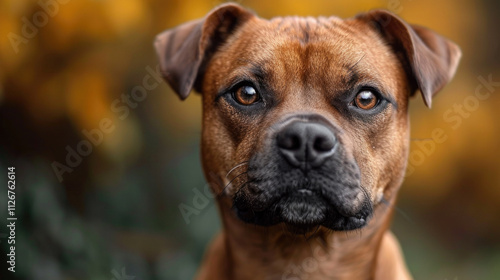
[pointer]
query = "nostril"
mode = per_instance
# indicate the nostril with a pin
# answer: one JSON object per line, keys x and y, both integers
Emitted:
{"x": 289, "y": 141}
{"x": 304, "y": 144}
{"x": 324, "y": 143}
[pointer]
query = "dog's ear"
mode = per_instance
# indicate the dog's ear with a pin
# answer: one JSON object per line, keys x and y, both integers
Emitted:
{"x": 184, "y": 50}
{"x": 432, "y": 59}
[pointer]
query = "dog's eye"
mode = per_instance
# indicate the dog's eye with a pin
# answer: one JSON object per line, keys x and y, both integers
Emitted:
{"x": 366, "y": 100}
{"x": 246, "y": 95}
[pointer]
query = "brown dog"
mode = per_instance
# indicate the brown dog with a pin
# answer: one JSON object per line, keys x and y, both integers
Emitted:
{"x": 305, "y": 121}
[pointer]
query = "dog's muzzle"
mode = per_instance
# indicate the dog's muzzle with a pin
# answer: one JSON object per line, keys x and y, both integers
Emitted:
{"x": 304, "y": 178}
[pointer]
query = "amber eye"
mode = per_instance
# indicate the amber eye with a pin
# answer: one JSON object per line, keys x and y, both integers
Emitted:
{"x": 246, "y": 95}
{"x": 366, "y": 100}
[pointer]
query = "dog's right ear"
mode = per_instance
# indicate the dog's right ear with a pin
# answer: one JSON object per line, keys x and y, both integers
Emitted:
{"x": 432, "y": 58}
{"x": 185, "y": 49}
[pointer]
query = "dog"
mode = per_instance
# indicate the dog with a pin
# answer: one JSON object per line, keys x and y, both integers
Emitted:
{"x": 306, "y": 128}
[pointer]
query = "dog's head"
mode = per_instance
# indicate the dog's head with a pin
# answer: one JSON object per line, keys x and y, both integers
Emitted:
{"x": 305, "y": 118}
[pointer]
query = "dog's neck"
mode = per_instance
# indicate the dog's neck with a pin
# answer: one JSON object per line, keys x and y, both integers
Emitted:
{"x": 256, "y": 252}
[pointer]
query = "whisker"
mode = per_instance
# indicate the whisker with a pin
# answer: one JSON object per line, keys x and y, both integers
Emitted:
{"x": 388, "y": 204}
{"x": 230, "y": 182}
{"x": 236, "y": 166}
{"x": 359, "y": 60}
{"x": 367, "y": 196}
{"x": 314, "y": 233}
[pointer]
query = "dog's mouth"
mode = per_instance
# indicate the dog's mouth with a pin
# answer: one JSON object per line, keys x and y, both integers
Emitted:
{"x": 303, "y": 178}
{"x": 302, "y": 211}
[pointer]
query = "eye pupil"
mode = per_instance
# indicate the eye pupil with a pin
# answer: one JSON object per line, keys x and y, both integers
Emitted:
{"x": 246, "y": 95}
{"x": 366, "y": 100}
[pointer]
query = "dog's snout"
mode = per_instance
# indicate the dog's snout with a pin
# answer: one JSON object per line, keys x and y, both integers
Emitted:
{"x": 306, "y": 142}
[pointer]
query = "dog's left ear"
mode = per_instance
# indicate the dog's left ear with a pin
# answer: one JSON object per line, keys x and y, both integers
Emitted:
{"x": 184, "y": 50}
{"x": 432, "y": 58}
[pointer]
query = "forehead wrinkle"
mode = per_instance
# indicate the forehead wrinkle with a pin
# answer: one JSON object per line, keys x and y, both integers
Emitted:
{"x": 248, "y": 70}
{"x": 318, "y": 65}
{"x": 254, "y": 67}
{"x": 333, "y": 63}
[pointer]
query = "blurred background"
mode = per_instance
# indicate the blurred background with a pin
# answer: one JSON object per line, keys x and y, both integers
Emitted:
{"x": 100, "y": 177}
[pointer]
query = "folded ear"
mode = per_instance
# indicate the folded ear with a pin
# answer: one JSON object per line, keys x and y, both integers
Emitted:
{"x": 431, "y": 58}
{"x": 183, "y": 50}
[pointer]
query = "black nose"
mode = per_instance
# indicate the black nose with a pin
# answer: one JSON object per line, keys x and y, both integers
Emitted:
{"x": 306, "y": 143}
